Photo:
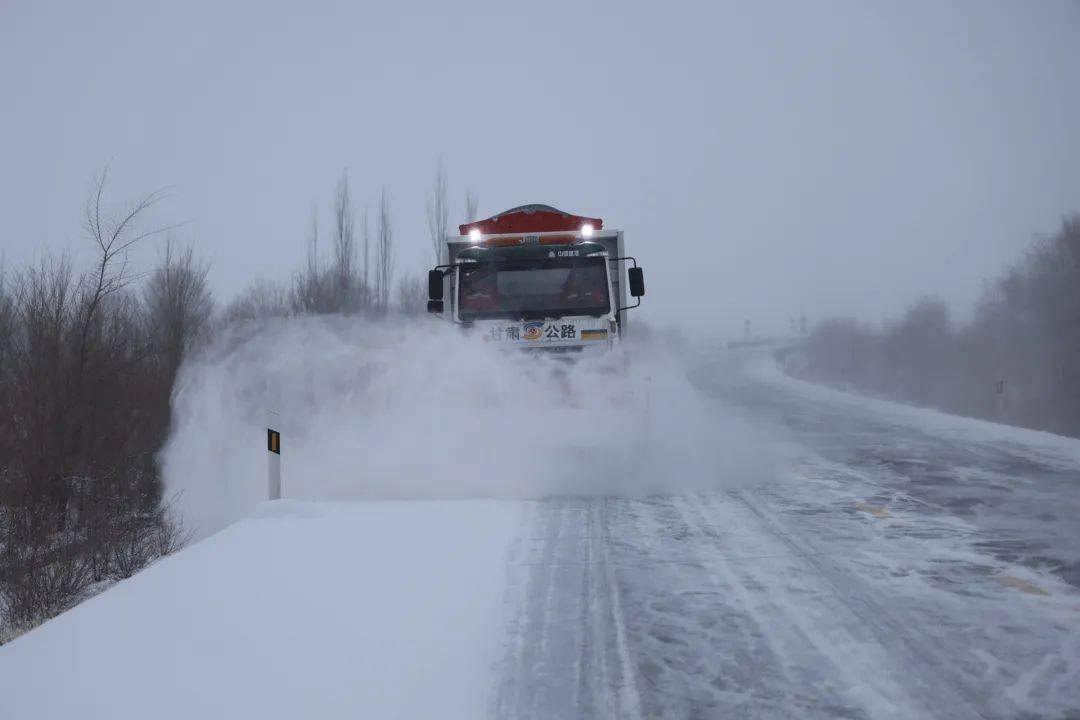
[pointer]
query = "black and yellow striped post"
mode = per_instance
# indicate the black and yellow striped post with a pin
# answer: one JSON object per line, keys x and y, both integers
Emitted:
{"x": 273, "y": 448}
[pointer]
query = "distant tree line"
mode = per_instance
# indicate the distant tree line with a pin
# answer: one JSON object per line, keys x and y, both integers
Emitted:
{"x": 88, "y": 362}
{"x": 358, "y": 277}
{"x": 1017, "y": 361}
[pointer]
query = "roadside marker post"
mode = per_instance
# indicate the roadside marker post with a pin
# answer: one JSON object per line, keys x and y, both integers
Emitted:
{"x": 273, "y": 448}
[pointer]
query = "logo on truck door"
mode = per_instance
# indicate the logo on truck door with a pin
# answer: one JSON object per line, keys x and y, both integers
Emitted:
{"x": 532, "y": 330}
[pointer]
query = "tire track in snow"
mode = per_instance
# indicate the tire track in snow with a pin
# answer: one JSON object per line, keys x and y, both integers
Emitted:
{"x": 570, "y": 657}
{"x": 629, "y": 704}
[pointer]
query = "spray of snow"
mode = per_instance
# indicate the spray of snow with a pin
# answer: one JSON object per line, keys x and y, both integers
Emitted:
{"x": 421, "y": 411}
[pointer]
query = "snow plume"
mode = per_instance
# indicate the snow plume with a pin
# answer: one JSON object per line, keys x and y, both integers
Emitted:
{"x": 381, "y": 410}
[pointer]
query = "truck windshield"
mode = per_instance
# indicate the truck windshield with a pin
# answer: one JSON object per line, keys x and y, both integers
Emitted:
{"x": 546, "y": 287}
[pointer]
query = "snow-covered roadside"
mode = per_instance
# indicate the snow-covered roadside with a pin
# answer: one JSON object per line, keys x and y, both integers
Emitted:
{"x": 387, "y": 609}
{"x": 763, "y": 367}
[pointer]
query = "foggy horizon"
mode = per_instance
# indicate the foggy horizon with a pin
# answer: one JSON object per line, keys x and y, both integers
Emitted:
{"x": 764, "y": 161}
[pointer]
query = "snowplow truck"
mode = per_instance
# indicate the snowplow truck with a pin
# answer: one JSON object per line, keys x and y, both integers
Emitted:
{"x": 535, "y": 277}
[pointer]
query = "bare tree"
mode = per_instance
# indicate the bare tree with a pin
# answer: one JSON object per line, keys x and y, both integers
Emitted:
{"x": 6, "y": 315}
{"x": 345, "y": 278}
{"x": 307, "y": 289}
{"x": 179, "y": 306}
{"x": 386, "y": 254}
{"x": 178, "y": 312}
{"x": 114, "y": 233}
{"x": 471, "y": 203}
{"x": 438, "y": 212}
{"x": 366, "y": 236}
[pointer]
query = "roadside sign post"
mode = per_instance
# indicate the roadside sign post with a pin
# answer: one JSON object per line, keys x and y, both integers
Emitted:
{"x": 273, "y": 448}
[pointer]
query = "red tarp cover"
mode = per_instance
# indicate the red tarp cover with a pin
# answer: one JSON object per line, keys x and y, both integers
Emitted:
{"x": 530, "y": 219}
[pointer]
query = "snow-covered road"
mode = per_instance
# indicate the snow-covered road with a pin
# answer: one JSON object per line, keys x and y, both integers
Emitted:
{"x": 904, "y": 564}
{"x": 887, "y": 562}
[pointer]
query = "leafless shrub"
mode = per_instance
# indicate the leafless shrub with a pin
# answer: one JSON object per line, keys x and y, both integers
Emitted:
{"x": 140, "y": 539}
{"x": 261, "y": 299}
{"x": 170, "y": 534}
{"x": 40, "y": 582}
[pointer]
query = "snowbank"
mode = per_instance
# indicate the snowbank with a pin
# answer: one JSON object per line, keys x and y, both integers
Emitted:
{"x": 303, "y": 611}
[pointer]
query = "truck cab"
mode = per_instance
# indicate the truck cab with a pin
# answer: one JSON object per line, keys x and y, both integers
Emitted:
{"x": 535, "y": 277}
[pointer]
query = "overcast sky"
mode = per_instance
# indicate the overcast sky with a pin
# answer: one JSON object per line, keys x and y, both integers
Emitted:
{"x": 764, "y": 159}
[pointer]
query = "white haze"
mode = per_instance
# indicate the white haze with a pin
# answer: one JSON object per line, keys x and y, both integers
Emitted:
{"x": 419, "y": 411}
{"x": 766, "y": 159}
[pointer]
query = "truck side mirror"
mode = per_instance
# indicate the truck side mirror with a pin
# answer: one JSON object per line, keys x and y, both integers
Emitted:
{"x": 637, "y": 282}
{"x": 435, "y": 286}
{"x": 435, "y": 306}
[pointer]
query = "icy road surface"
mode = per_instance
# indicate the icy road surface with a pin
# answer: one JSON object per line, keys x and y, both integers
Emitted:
{"x": 905, "y": 564}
